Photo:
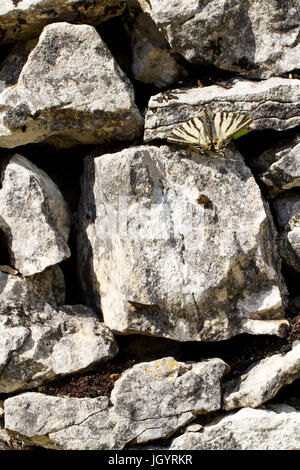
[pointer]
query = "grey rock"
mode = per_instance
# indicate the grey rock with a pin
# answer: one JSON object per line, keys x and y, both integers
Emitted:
{"x": 34, "y": 217}
{"x": 285, "y": 207}
{"x": 152, "y": 61}
{"x": 257, "y": 39}
{"x": 70, "y": 91}
{"x": 287, "y": 215}
{"x": 178, "y": 246}
{"x": 19, "y": 294}
{"x": 272, "y": 103}
{"x": 42, "y": 340}
{"x": 149, "y": 401}
{"x": 22, "y": 19}
{"x": 263, "y": 380}
{"x": 289, "y": 247}
{"x": 248, "y": 429}
{"x": 166, "y": 394}
{"x": 284, "y": 171}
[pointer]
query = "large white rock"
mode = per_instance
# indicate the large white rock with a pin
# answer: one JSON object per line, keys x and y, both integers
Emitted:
{"x": 34, "y": 217}
{"x": 248, "y": 429}
{"x": 149, "y": 401}
{"x": 21, "y": 19}
{"x": 273, "y": 103}
{"x": 40, "y": 338}
{"x": 69, "y": 91}
{"x": 178, "y": 246}
{"x": 263, "y": 380}
{"x": 258, "y": 38}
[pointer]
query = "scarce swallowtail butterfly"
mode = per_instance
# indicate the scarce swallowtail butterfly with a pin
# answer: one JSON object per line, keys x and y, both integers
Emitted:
{"x": 210, "y": 132}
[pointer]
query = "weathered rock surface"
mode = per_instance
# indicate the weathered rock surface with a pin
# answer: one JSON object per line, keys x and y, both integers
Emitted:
{"x": 248, "y": 429}
{"x": 21, "y": 19}
{"x": 284, "y": 171}
{"x": 289, "y": 245}
{"x": 263, "y": 380}
{"x": 285, "y": 207}
{"x": 70, "y": 91}
{"x": 33, "y": 216}
{"x": 272, "y": 103}
{"x": 40, "y": 338}
{"x": 287, "y": 215}
{"x": 152, "y": 61}
{"x": 178, "y": 246}
{"x": 150, "y": 400}
{"x": 258, "y": 39}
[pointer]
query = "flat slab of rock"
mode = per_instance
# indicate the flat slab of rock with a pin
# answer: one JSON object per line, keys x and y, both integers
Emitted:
{"x": 178, "y": 246}
{"x": 150, "y": 400}
{"x": 248, "y": 429}
{"x": 41, "y": 339}
{"x": 33, "y": 216}
{"x": 257, "y": 39}
{"x": 22, "y": 19}
{"x": 263, "y": 380}
{"x": 70, "y": 91}
{"x": 272, "y": 103}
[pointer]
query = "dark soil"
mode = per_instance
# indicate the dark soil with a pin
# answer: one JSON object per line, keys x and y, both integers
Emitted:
{"x": 239, "y": 352}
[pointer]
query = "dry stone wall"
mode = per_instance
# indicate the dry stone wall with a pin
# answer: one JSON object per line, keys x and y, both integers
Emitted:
{"x": 155, "y": 298}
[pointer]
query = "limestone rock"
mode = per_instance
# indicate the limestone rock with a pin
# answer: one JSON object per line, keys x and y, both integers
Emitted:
{"x": 289, "y": 246}
{"x": 263, "y": 380}
{"x": 287, "y": 215}
{"x": 149, "y": 401}
{"x": 248, "y": 429}
{"x": 70, "y": 91}
{"x": 272, "y": 103}
{"x": 284, "y": 171}
{"x": 42, "y": 340}
{"x": 19, "y": 294}
{"x": 186, "y": 388}
{"x": 152, "y": 61}
{"x": 285, "y": 207}
{"x": 257, "y": 39}
{"x": 34, "y": 217}
{"x": 178, "y": 246}
{"x": 21, "y": 19}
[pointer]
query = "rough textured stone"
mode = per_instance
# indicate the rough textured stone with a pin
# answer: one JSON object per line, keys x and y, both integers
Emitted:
{"x": 263, "y": 380}
{"x": 21, "y": 19}
{"x": 34, "y": 217}
{"x": 149, "y": 401}
{"x": 272, "y": 103}
{"x": 285, "y": 207}
{"x": 289, "y": 246}
{"x": 287, "y": 215}
{"x": 284, "y": 171}
{"x": 70, "y": 91}
{"x": 258, "y": 39}
{"x": 178, "y": 246}
{"x": 248, "y": 429}
{"x": 42, "y": 340}
{"x": 19, "y": 294}
{"x": 152, "y": 61}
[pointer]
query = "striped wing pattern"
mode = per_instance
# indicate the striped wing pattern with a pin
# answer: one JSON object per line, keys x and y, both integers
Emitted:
{"x": 228, "y": 124}
{"x": 211, "y": 132}
{"x": 190, "y": 132}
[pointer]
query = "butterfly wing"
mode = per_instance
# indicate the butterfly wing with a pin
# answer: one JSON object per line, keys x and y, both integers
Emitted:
{"x": 192, "y": 132}
{"x": 226, "y": 125}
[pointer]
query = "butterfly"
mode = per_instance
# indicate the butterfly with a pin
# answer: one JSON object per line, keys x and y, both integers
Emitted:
{"x": 210, "y": 132}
